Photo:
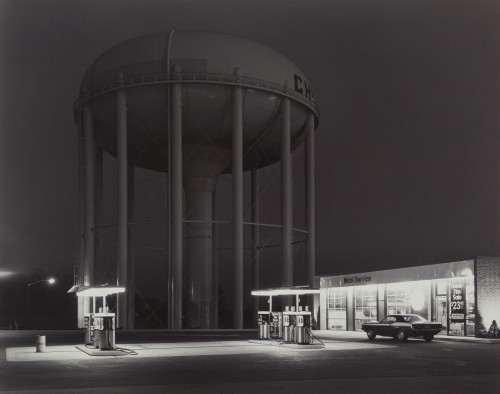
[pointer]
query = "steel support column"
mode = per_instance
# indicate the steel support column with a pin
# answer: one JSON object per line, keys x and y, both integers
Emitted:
{"x": 310, "y": 203}
{"x": 99, "y": 211}
{"x": 254, "y": 185}
{"x": 215, "y": 263}
{"x": 238, "y": 202}
{"x": 286, "y": 194}
{"x": 176, "y": 199}
{"x": 89, "y": 234}
{"x": 130, "y": 249}
{"x": 122, "y": 211}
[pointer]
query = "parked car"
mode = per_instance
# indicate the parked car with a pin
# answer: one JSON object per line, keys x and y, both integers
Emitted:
{"x": 401, "y": 327}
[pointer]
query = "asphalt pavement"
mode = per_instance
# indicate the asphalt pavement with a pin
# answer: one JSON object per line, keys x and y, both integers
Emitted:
{"x": 229, "y": 361}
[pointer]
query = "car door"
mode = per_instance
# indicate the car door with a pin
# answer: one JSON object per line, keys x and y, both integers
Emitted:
{"x": 384, "y": 326}
{"x": 392, "y": 326}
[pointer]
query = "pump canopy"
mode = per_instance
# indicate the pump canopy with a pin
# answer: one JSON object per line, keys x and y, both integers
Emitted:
{"x": 100, "y": 291}
{"x": 285, "y": 291}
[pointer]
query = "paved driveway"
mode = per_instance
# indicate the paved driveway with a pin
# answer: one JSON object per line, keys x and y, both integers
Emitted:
{"x": 224, "y": 361}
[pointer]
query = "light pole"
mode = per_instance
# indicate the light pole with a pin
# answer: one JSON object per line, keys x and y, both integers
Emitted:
{"x": 50, "y": 281}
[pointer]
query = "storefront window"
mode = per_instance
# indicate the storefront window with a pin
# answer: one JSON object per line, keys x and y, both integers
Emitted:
{"x": 365, "y": 301}
{"x": 409, "y": 297}
{"x": 470, "y": 302}
{"x": 397, "y": 300}
{"x": 441, "y": 286}
{"x": 337, "y": 309}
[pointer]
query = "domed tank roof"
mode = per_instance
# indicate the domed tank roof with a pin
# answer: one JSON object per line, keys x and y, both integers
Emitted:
{"x": 143, "y": 67}
{"x": 196, "y": 52}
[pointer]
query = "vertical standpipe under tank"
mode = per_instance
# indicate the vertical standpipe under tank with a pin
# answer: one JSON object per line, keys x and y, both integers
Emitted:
{"x": 194, "y": 105}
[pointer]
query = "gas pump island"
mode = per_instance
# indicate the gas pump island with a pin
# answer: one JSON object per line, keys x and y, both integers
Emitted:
{"x": 291, "y": 325}
{"x": 99, "y": 324}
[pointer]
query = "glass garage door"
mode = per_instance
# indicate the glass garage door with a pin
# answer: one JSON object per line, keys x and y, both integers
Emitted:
{"x": 337, "y": 309}
{"x": 365, "y": 301}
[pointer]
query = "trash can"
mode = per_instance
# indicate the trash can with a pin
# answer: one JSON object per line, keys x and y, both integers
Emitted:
{"x": 40, "y": 343}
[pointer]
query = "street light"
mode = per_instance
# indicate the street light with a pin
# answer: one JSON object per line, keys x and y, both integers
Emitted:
{"x": 49, "y": 280}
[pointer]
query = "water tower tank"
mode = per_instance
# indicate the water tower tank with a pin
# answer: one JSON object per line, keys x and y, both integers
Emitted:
{"x": 174, "y": 102}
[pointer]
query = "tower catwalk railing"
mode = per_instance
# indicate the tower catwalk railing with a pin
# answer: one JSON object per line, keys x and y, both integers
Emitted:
{"x": 91, "y": 91}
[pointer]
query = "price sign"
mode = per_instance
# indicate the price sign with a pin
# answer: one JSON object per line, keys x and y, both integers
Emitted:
{"x": 457, "y": 300}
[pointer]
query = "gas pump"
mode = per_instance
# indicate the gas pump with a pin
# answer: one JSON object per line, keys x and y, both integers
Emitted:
{"x": 303, "y": 329}
{"x": 293, "y": 324}
{"x": 99, "y": 327}
{"x": 106, "y": 331}
{"x": 264, "y": 331}
{"x": 264, "y": 321}
{"x": 289, "y": 323}
{"x": 89, "y": 328}
{"x": 276, "y": 325}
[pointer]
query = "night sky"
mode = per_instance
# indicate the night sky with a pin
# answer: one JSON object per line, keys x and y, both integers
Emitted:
{"x": 407, "y": 148}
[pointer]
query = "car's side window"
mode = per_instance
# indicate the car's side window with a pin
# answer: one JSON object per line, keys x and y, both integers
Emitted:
{"x": 389, "y": 319}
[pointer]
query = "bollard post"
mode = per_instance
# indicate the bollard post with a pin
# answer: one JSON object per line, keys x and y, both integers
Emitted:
{"x": 40, "y": 343}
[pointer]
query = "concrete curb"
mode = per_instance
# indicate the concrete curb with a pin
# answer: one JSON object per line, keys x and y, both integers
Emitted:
{"x": 347, "y": 335}
{"x": 468, "y": 339}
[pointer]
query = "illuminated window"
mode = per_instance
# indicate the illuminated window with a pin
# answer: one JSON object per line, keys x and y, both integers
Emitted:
{"x": 337, "y": 309}
{"x": 365, "y": 301}
{"x": 441, "y": 286}
{"x": 470, "y": 299}
{"x": 409, "y": 297}
{"x": 397, "y": 299}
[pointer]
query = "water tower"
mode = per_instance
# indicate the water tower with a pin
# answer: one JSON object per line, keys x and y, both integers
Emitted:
{"x": 194, "y": 105}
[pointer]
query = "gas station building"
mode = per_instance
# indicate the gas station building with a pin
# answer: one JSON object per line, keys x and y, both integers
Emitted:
{"x": 464, "y": 296}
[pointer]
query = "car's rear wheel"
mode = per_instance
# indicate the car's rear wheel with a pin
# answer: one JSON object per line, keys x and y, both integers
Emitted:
{"x": 371, "y": 334}
{"x": 401, "y": 336}
{"x": 428, "y": 337}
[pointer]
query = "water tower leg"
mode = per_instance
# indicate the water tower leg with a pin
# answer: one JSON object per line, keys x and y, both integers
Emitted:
{"x": 310, "y": 208}
{"x": 254, "y": 184}
{"x": 215, "y": 263}
{"x": 238, "y": 203}
{"x": 99, "y": 212}
{"x": 286, "y": 195}
{"x": 122, "y": 220}
{"x": 81, "y": 225}
{"x": 130, "y": 250}
{"x": 198, "y": 301}
{"x": 88, "y": 135}
{"x": 176, "y": 202}
{"x": 87, "y": 213}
